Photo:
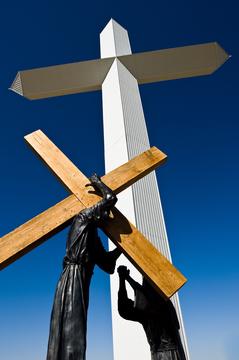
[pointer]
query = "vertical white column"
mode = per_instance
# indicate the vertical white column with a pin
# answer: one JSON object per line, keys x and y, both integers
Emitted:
{"x": 125, "y": 136}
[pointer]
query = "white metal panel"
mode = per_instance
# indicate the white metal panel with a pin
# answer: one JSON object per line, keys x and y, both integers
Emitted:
{"x": 114, "y": 40}
{"x": 126, "y": 335}
{"x": 125, "y": 135}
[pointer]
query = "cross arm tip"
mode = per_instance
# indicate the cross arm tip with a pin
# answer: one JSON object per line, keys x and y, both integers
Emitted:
{"x": 221, "y": 54}
{"x": 33, "y": 133}
{"x": 16, "y": 85}
{"x": 162, "y": 155}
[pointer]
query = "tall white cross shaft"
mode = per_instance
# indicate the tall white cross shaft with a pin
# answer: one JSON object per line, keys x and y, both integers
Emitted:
{"x": 125, "y": 135}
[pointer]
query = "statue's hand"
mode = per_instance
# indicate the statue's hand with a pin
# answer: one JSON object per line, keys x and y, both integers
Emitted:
{"x": 95, "y": 179}
{"x": 109, "y": 197}
{"x": 123, "y": 271}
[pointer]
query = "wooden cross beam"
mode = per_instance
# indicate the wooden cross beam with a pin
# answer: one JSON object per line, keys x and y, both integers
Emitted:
{"x": 149, "y": 261}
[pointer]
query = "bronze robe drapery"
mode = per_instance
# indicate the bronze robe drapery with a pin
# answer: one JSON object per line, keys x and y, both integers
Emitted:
{"x": 67, "y": 339}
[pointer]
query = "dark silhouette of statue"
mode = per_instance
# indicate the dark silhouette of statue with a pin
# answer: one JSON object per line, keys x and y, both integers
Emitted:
{"x": 157, "y": 316}
{"x": 67, "y": 339}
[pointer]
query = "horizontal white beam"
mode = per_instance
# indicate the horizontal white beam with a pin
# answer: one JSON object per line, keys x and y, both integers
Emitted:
{"x": 146, "y": 67}
{"x": 62, "y": 79}
{"x": 175, "y": 63}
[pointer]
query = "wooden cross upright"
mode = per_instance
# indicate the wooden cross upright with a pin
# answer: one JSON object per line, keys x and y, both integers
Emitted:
{"x": 149, "y": 261}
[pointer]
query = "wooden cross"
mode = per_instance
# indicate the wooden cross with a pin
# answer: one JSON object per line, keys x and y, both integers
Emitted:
{"x": 149, "y": 261}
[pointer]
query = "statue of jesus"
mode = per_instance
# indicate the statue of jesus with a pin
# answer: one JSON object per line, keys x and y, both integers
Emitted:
{"x": 67, "y": 339}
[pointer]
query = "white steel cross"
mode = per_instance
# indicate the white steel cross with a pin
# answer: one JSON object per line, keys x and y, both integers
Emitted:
{"x": 118, "y": 74}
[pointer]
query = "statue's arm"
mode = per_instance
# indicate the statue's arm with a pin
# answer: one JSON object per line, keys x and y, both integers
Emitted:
{"x": 109, "y": 197}
{"x": 126, "y": 307}
{"x": 106, "y": 260}
{"x": 99, "y": 211}
{"x": 124, "y": 273}
{"x": 95, "y": 213}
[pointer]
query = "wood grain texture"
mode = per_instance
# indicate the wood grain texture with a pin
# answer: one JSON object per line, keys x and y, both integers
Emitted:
{"x": 31, "y": 234}
{"x": 135, "y": 246}
{"x": 146, "y": 258}
{"x": 75, "y": 181}
{"x": 41, "y": 227}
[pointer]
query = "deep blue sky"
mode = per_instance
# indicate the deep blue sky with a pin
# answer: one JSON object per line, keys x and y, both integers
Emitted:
{"x": 195, "y": 121}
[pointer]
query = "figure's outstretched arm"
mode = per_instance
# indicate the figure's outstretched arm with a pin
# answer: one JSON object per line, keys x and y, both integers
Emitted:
{"x": 101, "y": 210}
{"x": 109, "y": 197}
{"x": 124, "y": 273}
{"x": 106, "y": 260}
{"x": 125, "y": 305}
{"x": 141, "y": 304}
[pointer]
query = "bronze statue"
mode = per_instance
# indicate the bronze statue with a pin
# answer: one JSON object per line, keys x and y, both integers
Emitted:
{"x": 67, "y": 339}
{"x": 157, "y": 316}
